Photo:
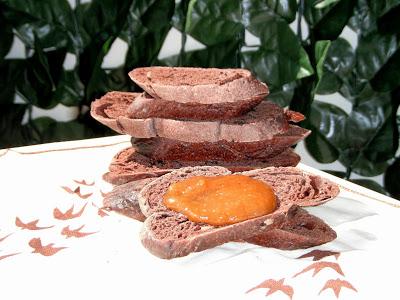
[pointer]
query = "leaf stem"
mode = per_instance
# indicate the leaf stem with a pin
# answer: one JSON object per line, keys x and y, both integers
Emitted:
{"x": 300, "y": 16}
{"x": 349, "y": 170}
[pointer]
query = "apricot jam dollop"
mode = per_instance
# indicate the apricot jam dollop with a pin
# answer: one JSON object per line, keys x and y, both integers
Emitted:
{"x": 220, "y": 200}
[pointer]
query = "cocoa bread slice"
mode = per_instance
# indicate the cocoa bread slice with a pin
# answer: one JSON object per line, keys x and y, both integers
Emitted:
{"x": 300, "y": 230}
{"x": 123, "y": 199}
{"x": 108, "y": 108}
{"x": 169, "y": 234}
{"x": 145, "y": 106}
{"x": 169, "y": 149}
{"x": 128, "y": 165}
{"x": 199, "y": 85}
{"x": 263, "y": 122}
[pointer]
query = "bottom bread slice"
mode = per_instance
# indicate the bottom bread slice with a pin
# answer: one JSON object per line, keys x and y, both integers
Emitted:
{"x": 128, "y": 165}
{"x": 170, "y": 234}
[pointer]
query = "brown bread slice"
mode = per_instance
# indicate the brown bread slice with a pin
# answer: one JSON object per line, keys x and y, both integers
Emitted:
{"x": 300, "y": 230}
{"x": 168, "y": 149}
{"x": 169, "y": 234}
{"x": 199, "y": 85}
{"x": 108, "y": 108}
{"x": 145, "y": 106}
{"x": 263, "y": 122}
{"x": 128, "y": 165}
{"x": 123, "y": 199}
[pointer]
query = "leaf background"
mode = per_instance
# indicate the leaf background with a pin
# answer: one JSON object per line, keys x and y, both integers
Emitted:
{"x": 298, "y": 65}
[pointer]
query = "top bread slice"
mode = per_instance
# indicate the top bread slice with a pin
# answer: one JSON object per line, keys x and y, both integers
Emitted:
{"x": 170, "y": 234}
{"x": 199, "y": 85}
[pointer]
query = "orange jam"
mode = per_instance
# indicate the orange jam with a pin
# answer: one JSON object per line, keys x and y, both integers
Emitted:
{"x": 220, "y": 200}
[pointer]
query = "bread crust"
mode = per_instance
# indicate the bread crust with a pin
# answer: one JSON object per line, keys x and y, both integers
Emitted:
{"x": 200, "y": 85}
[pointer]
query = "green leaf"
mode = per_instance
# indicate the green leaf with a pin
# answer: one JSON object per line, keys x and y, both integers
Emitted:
{"x": 287, "y": 9}
{"x": 213, "y": 22}
{"x": 321, "y": 50}
{"x": 282, "y": 95}
{"x": 70, "y": 90}
{"x": 11, "y": 131}
{"x": 327, "y": 123}
{"x": 373, "y": 52}
{"x": 51, "y": 130}
{"x": 146, "y": 28}
{"x": 389, "y": 22}
{"x": 363, "y": 20}
{"x": 388, "y": 77}
{"x": 42, "y": 73}
{"x": 52, "y": 21}
{"x": 327, "y": 23}
{"x": 273, "y": 61}
{"x": 370, "y": 184}
{"x": 305, "y": 65}
{"x": 11, "y": 71}
{"x": 6, "y": 37}
{"x": 338, "y": 64}
{"x": 211, "y": 56}
{"x": 336, "y": 173}
{"x": 392, "y": 179}
{"x": 325, "y": 3}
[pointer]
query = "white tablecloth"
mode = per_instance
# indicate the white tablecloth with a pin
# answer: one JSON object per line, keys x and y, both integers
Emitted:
{"x": 75, "y": 250}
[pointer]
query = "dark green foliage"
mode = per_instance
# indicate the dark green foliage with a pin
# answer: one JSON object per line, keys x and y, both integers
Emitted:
{"x": 296, "y": 67}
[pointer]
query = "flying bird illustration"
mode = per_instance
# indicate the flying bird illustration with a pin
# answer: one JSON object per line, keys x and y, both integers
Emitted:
{"x": 320, "y": 254}
{"x": 100, "y": 211}
{"x": 30, "y": 225}
{"x": 68, "y": 233}
{"x": 274, "y": 286}
{"x": 4, "y": 237}
{"x": 336, "y": 285}
{"x": 76, "y": 191}
{"x": 318, "y": 266}
{"x": 8, "y": 255}
{"x": 84, "y": 182}
{"x": 68, "y": 214}
{"x": 47, "y": 250}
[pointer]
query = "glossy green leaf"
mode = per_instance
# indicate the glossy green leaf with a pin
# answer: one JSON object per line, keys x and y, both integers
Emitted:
{"x": 364, "y": 167}
{"x": 363, "y": 20}
{"x": 373, "y": 52}
{"x": 321, "y": 51}
{"x": 336, "y": 173}
{"x": 144, "y": 38}
{"x": 327, "y": 23}
{"x": 306, "y": 68}
{"x": 274, "y": 62}
{"x": 370, "y": 184}
{"x": 389, "y": 22}
{"x": 327, "y": 123}
{"x": 51, "y": 21}
{"x": 283, "y": 95}
{"x": 338, "y": 64}
{"x": 392, "y": 179}
{"x": 11, "y": 71}
{"x": 51, "y": 130}
{"x": 213, "y": 22}
{"x": 6, "y": 37}
{"x": 42, "y": 74}
{"x": 325, "y": 3}
{"x": 69, "y": 90}
{"x": 12, "y": 132}
{"x": 388, "y": 77}
{"x": 211, "y": 56}
{"x": 287, "y": 9}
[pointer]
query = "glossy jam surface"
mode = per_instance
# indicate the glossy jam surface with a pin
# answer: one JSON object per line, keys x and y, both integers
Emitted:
{"x": 220, "y": 200}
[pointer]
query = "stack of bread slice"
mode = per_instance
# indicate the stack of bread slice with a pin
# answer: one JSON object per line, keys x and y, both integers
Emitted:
{"x": 196, "y": 117}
